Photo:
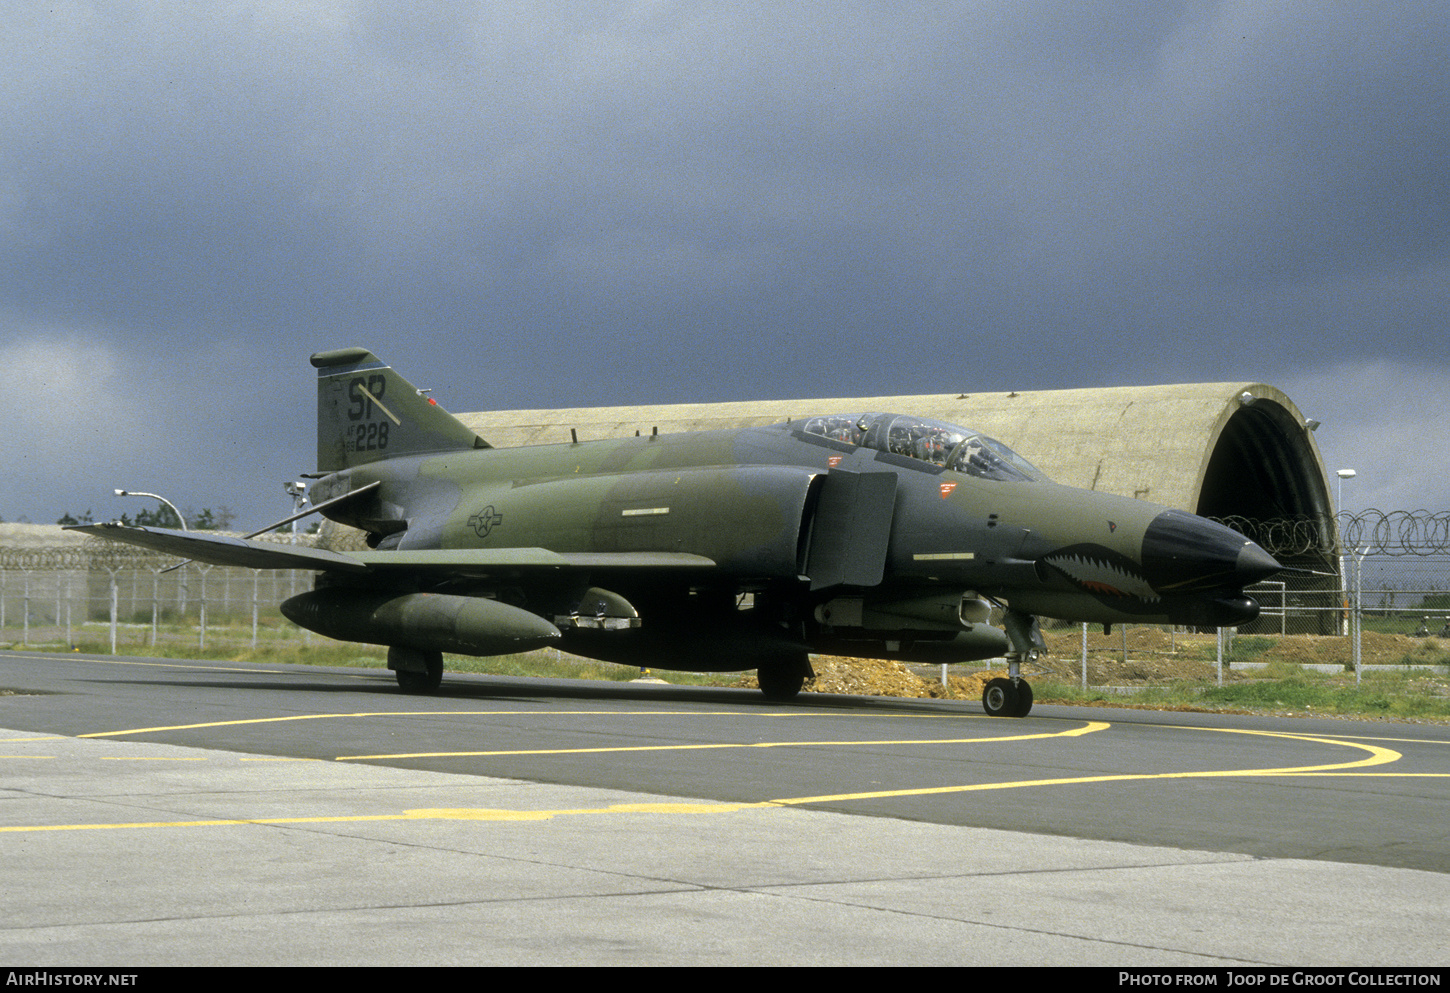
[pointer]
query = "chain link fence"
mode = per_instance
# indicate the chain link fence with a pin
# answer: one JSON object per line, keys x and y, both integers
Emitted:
{"x": 1386, "y": 572}
{"x": 60, "y": 590}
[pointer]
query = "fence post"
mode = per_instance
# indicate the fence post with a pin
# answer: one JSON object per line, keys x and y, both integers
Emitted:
{"x": 256, "y": 579}
{"x": 201, "y": 616}
{"x": 115, "y": 607}
{"x": 155, "y": 601}
{"x": 1084, "y": 656}
{"x": 1357, "y": 617}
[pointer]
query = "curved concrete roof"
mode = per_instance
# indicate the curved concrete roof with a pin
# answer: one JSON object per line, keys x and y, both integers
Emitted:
{"x": 39, "y": 536}
{"x": 1198, "y": 446}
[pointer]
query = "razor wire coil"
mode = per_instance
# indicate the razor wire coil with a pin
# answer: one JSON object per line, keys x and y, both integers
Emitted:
{"x": 1371, "y": 532}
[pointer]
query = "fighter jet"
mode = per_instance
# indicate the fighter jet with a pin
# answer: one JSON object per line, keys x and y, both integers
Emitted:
{"x": 863, "y": 534}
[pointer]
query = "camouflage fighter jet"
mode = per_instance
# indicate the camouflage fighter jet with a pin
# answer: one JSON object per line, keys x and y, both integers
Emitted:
{"x": 870, "y": 535}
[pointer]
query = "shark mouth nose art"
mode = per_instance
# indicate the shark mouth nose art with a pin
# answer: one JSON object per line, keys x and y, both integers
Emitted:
{"x": 1099, "y": 570}
{"x": 1102, "y": 571}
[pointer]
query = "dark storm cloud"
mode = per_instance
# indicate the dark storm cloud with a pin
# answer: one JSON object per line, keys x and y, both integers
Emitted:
{"x": 534, "y": 205}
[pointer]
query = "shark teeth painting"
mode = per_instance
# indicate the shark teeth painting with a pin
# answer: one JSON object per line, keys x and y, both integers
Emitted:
{"x": 1098, "y": 575}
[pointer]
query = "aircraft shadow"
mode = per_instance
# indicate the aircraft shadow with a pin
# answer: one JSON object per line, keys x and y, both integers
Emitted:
{"x": 488, "y": 687}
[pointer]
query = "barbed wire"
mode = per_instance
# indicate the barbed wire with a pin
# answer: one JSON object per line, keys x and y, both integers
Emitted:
{"x": 1397, "y": 532}
{"x": 1370, "y": 532}
{"x": 1283, "y": 535}
{"x": 97, "y": 553}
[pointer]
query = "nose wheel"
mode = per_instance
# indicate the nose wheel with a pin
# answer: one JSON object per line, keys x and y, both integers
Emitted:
{"x": 1006, "y": 698}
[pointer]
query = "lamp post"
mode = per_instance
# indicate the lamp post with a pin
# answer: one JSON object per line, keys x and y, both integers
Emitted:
{"x": 155, "y": 496}
{"x": 298, "y": 492}
{"x": 155, "y": 593}
{"x": 1343, "y": 474}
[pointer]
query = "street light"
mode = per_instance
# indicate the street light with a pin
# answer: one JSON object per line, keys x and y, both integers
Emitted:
{"x": 298, "y": 492}
{"x": 1343, "y": 474}
{"x": 155, "y": 496}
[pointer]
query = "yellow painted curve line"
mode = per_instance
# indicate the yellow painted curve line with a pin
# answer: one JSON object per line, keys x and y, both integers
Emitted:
{"x": 426, "y": 814}
{"x": 482, "y": 713}
{"x": 1377, "y": 756}
{"x": 1088, "y": 728}
{"x": 322, "y": 717}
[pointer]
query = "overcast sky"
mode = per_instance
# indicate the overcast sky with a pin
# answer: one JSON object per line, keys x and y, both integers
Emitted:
{"x": 576, "y": 204}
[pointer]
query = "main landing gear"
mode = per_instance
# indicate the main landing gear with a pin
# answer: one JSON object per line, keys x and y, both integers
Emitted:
{"x": 418, "y": 671}
{"x": 781, "y": 679}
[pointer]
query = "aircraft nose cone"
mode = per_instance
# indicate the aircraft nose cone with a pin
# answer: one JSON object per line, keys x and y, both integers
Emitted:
{"x": 1183, "y": 553}
{"x": 1255, "y": 564}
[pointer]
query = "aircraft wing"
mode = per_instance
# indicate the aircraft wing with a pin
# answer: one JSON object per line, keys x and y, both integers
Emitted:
{"x": 225, "y": 550}
{"x": 220, "y": 549}
{"x": 471, "y": 559}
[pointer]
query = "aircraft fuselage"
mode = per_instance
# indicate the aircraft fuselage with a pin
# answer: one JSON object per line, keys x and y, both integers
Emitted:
{"x": 839, "y": 546}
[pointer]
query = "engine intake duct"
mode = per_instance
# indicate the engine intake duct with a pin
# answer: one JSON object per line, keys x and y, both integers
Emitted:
{"x": 600, "y": 610}
{"x": 981, "y": 642}
{"x": 933, "y": 612}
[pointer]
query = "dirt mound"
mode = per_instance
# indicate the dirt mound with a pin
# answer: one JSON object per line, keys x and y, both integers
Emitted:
{"x": 879, "y": 677}
{"x": 1154, "y": 656}
{"x": 1375, "y": 649}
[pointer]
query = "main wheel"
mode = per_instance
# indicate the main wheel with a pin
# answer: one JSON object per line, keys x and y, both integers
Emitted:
{"x": 779, "y": 683}
{"x": 412, "y": 681}
{"x": 1001, "y": 699}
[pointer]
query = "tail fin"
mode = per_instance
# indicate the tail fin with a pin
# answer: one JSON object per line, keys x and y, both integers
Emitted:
{"x": 367, "y": 412}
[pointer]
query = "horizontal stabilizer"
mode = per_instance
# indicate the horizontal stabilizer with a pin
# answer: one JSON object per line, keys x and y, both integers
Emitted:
{"x": 218, "y": 549}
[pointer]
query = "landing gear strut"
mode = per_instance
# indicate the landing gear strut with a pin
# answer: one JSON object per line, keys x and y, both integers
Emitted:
{"x": 418, "y": 671}
{"x": 1012, "y": 697}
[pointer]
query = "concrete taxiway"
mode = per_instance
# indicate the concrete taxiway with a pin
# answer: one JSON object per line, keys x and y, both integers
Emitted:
{"x": 258, "y": 843}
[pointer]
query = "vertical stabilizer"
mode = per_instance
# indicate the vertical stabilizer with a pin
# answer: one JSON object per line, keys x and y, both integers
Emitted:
{"x": 367, "y": 412}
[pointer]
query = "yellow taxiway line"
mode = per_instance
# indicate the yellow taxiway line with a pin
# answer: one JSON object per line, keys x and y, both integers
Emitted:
{"x": 1375, "y": 756}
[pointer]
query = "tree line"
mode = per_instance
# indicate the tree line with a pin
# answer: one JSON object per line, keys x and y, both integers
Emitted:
{"x": 205, "y": 519}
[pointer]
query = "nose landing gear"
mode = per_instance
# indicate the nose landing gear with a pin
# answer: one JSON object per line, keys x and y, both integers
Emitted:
{"x": 1012, "y": 697}
{"x": 1004, "y": 698}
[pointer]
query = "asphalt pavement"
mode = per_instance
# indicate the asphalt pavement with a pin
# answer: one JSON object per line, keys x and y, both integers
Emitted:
{"x": 159, "y": 812}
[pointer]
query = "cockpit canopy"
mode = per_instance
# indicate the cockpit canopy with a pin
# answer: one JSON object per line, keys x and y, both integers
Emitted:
{"x": 955, "y": 448}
